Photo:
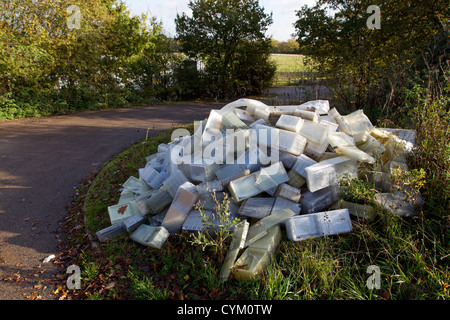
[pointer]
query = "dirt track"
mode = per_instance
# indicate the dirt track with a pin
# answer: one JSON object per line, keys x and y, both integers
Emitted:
{"x": 43, "y": 160}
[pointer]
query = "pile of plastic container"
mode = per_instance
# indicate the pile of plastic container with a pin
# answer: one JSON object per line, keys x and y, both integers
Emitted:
{"x": 280, "y": 166}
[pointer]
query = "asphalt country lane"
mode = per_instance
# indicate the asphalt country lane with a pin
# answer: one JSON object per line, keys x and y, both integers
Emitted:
{"x": 43, "y": 161}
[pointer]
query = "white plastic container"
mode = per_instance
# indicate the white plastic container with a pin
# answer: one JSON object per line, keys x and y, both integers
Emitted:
{"x": 286, "y": 191}
{"x": 182, "y": 204}
{"x": 290, "y": 123}
{"x": 313, "y": 131}
{"x": 302, "y": 163}
{"x": 283, "y": 203}
{"x": 320, "y": 175}
{"x": 158, "y": 201}
{"x": 257, "y": 256}
{"x": 318, "y": 224}
{"x": 121, "y": 212}
{"x": 174, "y": 181}
{"x": 320, "y": 200}
{"x": 244, "y": 188}
{"x": 256, "y": 207}
{"x": 154, "y": 237}
{"x": 260, "y": 228}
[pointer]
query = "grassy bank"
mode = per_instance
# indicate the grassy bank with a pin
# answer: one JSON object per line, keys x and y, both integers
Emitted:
{"x": 411, "y": 253}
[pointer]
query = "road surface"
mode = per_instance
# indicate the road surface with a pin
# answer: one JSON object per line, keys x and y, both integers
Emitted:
{"x": 43, "y": 161}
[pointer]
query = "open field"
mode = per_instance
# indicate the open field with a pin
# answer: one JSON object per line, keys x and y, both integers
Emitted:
{"x": 289, "y": 62}
{"x": 292, "y": 69}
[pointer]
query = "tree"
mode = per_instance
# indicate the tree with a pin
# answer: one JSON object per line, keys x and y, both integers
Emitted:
{"x": 229, "y": 35}
{"x": 50, "y": 62}
{"x": 369, "y": 65}
{"x": 291, "y": 46}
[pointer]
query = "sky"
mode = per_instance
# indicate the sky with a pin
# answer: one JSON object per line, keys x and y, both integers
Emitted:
{"x": 166, "y": 11}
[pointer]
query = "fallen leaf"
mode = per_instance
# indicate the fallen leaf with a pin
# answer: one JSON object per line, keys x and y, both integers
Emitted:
{"x": 122, "y": 209}
{"x": 214, "y": 293}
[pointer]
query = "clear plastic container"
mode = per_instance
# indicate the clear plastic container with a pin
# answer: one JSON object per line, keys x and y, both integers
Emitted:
{"x": 244, "y": 188}
{"x": 286, "y": 191}
{"x": 307, "y": 115}
{"x": 358, "y": 210}
{"x": 270, "y": 177}
{"x": 291, "y": 142}
{"x": 290, "y": 123}
{"x": 358, "y": 122}
{"x": 373, "y": 147}
{"x": 210, "y": 186}
{"x": 259, "y": 229}
{"x": 111, "y": 232}
{"x": 174, "y": 181}
{"x": 142, "y": 202}
{"x": 227, "y": 170}
{"x": 255, "y": 259}
{"x": 193, "y": 222}
{"x": 286, "y": 158}
{"x": 319, "y": 176}
{"x": 212, "y": 127}
{"x": 121, "y": 212}
{"x": 344, "y": 167}
{"x": 283, "y": 203}
{"x": 154, "y": 237}
{"x": 199, "y": 172}
{"x": 313, "y": 131}
{"x": 159, "y": 200}
{"x": 182, "y": 204}
{"x": 135, "y": 185}
{"x": 320, "y": 200}
{"x": 295, "y": 180}
{"x": 256, "y": 207}
{"x": 231, "y": 121}
{"x": 396, "y": 203}
{"x": 237, "y": 243}
{"x": 133, "y": 222}
{"x": 302, "y": 163}
{"x": 318, "y": 224}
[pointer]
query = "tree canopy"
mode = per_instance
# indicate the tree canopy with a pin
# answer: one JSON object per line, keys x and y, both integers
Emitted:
{"x": 229, "y": 35}
{"x": 73, "y": 54}
{"x": 372, "y": 61}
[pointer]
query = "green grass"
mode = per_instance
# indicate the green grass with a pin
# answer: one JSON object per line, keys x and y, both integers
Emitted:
{"x": 412, "y": 253}
{"x": 293, "y": 69}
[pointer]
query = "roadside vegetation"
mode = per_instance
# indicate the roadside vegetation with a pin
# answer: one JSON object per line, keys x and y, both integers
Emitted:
{"x": 60, "y": 57}
{"x": 398, "y": 75}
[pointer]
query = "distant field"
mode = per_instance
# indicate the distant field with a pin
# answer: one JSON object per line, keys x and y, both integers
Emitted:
{"x": 291, "y": 69}
{"x": 289, "y": 62}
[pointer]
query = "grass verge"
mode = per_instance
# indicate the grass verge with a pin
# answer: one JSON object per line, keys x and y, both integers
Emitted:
{"x": 411, "y": 254}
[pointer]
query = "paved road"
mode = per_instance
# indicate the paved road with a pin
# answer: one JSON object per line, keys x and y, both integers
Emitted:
{"x": 43, "y": 160}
